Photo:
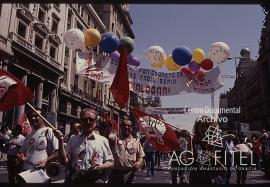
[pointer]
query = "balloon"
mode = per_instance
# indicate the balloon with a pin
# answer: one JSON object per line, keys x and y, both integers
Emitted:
{"x": 219, "y": 52}
{"x": 128, "y": 43}
{"x": 134, "y": 61}
{"x": 83, "y": 55}
{"x": 198, "y": 55}
{"x": 74, "y": 39}
{"x": 114, "y": 55}
{"x": 207, "y": 64}
{"x": 181, "y": 55}
{"x": 171, "y": 65}
{"x": 109, "y": 42}
{"x": 156, "y": 56}
{"x": 186, "y": 71}
{"x": 193, "y": 66}
{"x": 92, "y": 37}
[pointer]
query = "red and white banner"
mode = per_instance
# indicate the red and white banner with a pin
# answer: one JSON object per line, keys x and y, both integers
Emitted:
{"x": 159, "y": 133}
{"x": 12, "y": 91}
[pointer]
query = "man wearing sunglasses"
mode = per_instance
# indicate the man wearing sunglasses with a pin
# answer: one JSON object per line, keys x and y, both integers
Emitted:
{"x": 89, "y": 153}
{"x": 128, "y": 154}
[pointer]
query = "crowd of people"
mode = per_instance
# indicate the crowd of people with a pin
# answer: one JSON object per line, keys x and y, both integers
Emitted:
{"x": 92, "y": 156}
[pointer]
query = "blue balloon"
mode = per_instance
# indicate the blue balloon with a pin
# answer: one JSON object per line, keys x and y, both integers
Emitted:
{"x": 109, "y": 42}
{"x": 182, "y": 55}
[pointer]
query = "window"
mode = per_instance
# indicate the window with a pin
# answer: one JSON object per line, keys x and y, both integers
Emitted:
{"x": 76, "y": 81}
{"x": 89, "y": 20}
{"x": 24, "y": 5}
{"x": 53, "y": 51}
{"x": 41, "y": 15}
{"x": 55, "y": 22}
{"x": 85, "y": 86}
{"x": 65, "y": 75}
{"x": 69, "y": 20}
{"x": 22, "y": 29}
{"x": 112, "y": 27}
{"x": 79, "y": 26}
{"x": 117, "y": 33}
{"x": 67, "y": 52}
{"x": 82, "y": 12}
{"x": 39, "y": 42}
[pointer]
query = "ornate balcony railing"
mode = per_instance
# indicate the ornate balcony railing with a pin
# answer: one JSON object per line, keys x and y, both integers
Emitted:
{"x": 21, "y": 41}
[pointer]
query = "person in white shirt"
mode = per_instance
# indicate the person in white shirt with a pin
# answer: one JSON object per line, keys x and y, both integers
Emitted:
{"x": 38, "y": 145}
{"x": 243, "y": 160}
{"x": 14, "y": 144}
{"x": 89, "y": 153}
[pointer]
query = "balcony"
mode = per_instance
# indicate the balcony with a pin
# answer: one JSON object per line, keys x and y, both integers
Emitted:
{"x": 33, "y": 49}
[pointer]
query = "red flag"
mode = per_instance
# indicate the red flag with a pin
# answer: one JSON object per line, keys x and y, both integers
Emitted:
{"x": 26, "y": 127}
{"x": 120, "y": 85}
{"x": 12, "y": 91}
{"x": 158, "y": 133}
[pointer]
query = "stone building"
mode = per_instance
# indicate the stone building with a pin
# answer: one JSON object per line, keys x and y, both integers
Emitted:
{"x": 251, "y": 90}
{"x": 32, "y": 48}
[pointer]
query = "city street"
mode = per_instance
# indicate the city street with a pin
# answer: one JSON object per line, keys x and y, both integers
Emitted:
{"x": 162, "y": 176}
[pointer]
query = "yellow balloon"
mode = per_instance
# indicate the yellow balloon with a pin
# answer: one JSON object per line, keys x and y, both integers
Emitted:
{"x": 92, "y": 37}
{"x": 198, "y": 55}
{"x": 160, "y": 64}
{"x": 171, "y": 65}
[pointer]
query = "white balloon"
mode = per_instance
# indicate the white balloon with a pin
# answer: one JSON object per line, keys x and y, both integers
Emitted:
{"x": 74, "y": 39}
{"x": 155, "y": 55}
{"x": 83, "y": 55}
{"x": 219, "y": 52}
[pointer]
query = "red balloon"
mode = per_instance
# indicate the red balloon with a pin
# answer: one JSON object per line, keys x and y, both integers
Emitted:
{"x": 207, "y": 64}
{"x": 186, "y": 71}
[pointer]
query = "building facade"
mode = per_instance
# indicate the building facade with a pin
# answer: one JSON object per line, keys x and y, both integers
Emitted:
{"x": 251, "y": 89}
{"x": 32, "y": 48}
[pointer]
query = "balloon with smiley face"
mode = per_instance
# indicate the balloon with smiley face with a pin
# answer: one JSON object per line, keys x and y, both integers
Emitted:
{"x": 74, "y": 39}
{"x": 156, "y": 55}
{"x": 219, "y": 52}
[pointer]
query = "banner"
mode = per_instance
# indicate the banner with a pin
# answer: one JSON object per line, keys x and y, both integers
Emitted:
{"x": 152, "y": 82}
{"x": 96, "y": 67}
{"x": 158, "y": 133}
{"x": 162, "y": 110}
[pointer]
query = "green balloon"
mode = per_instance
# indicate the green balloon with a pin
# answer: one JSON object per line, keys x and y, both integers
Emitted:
{"x": 127, "y": 42}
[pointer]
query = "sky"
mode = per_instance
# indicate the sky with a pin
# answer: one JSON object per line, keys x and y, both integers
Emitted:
{"x": 195, "y": 26}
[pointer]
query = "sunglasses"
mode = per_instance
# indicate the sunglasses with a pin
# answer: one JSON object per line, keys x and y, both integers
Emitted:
{"x": 88, "y": 119}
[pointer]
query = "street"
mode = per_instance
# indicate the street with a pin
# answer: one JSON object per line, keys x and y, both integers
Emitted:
{"x": 162, "y": 175}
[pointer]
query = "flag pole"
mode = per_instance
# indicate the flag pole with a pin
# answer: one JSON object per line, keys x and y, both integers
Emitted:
{"x": 46, "y": 121}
